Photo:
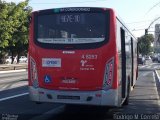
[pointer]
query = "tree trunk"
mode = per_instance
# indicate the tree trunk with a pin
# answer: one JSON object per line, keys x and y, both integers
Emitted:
{"x": 18, "y": 56}
{"x": 12, "y": 57}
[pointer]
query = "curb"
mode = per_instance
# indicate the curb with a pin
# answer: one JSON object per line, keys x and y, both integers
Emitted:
{"x": 157, "y": 75}
{"x": 157, "y": 80}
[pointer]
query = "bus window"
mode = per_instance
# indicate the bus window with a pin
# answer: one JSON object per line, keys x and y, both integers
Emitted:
{"x": 72, "y": 28}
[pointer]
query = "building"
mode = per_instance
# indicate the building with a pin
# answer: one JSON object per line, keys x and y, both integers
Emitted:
{"x": 157, "y": 38}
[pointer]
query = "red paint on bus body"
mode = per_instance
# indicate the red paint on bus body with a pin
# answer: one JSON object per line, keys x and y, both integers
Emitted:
{"x": 71, "y": 66}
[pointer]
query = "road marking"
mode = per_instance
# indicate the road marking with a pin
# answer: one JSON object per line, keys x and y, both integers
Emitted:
{"x": 12, "y": 71}
{"x": 14, "y": 96}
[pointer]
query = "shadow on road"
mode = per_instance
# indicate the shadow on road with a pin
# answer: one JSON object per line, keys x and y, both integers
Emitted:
{"x": 78, "y": 112}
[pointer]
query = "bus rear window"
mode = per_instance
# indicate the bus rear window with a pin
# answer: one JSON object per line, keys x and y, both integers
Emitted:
{"x": 71, "y": 28}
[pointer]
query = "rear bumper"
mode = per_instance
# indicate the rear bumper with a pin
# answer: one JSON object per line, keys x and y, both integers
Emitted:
{"x": 100, "y": 97}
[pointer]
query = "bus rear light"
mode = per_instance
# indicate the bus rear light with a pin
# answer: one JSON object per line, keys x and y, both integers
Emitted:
{"x": 34, "y": 75}
{"x": 108, "y": 76}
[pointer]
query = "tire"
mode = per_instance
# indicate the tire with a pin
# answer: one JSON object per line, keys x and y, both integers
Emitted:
{"x": 126, "y": 102}
{"x": 38, "y": 103}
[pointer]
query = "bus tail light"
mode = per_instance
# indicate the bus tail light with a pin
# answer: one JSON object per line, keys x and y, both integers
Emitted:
{"x": 108, "y": 75}
{"x": 34, "y": 75}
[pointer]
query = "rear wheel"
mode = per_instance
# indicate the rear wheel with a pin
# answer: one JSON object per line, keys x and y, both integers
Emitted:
{"x": 126, "y": 102}
{"x": 38, "y": 102}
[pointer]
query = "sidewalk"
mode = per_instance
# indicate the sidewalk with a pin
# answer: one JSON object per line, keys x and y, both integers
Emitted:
{"x": 144, "y": 99}
{"x": 6, "y": 67}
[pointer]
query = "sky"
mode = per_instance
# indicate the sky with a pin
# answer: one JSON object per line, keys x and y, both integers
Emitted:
{"x": 136, "y": 14}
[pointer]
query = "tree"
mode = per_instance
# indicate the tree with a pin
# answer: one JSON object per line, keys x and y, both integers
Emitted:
{"x": 5, "y": 29}
{"x": 19, "y": 42}
{"x": 14, "y": 27}
{"x": 144, "y": 44}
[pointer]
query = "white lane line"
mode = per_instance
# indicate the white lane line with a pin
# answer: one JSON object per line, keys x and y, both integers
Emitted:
{"x": 17, "y": 79}
{"x": 14, "y": 96}
{"x": 12, "y": 71}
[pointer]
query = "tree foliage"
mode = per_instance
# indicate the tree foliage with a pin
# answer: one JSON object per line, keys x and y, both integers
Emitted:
{"x": 144, "y": 44}
{"x": 14, "y": 27}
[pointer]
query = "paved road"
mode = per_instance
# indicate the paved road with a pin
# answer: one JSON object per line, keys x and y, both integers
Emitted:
{"x": 14, "y": 98}
{"x": 9, "y": 80}
{"x": 14, "y": 102}
{"x": 5, "y": 67}
{"x": 149, "y": 67}
{"x": 144, "y": 104}
{"x": 144, "y": 98}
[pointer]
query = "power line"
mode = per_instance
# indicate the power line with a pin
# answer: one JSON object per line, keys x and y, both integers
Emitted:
{"x": 139, "y": 22}
{"x": 138, "y": 29}
{"x": 152, "y": 7}
{"x": 153, "y": 22}
{"x": 71, "y": 2}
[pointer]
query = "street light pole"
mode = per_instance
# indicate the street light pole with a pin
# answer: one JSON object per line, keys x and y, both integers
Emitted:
{"x": 146, "y": 30}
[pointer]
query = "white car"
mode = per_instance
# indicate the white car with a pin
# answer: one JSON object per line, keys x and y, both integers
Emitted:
{"x": 8, "y": 59}
{"x": 23, "y": 59}
{"x": 148, "y": 58}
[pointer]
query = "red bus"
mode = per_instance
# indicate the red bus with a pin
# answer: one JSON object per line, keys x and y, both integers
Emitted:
{"x": 81, "y": 55}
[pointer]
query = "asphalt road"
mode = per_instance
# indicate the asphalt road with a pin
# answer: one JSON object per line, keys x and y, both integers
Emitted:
{"x": 15, "y": 103}
{"x": 10, "y": 80}
{"x": 144, "y": 104}
{"x": 14, "y": 98}
{"x": 7, "y": 67}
